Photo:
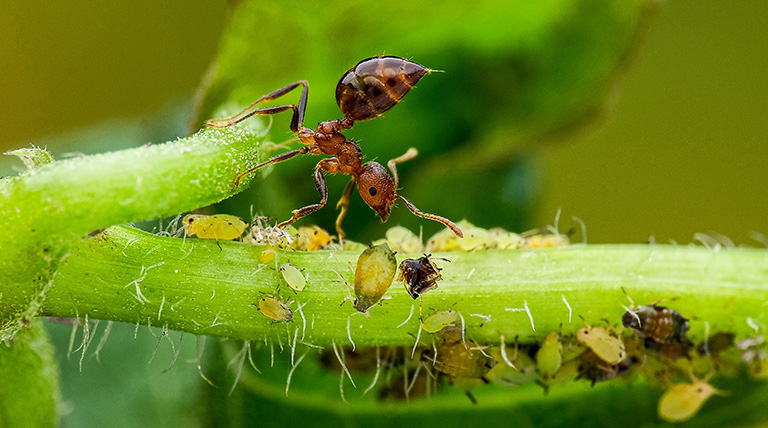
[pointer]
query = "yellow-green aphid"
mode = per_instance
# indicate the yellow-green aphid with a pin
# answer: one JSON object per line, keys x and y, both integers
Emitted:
{"x": 293, "y": 276}
{"x": 275, "y": 309}
{"x": 403, "y": 240}
{"x": 605, "y": 345}
{"x": 268, "y": 254}
{"x": 683, "y": 400}
{"x": 219, "y": 226}
{"x": 549, "y": 357}
{"x": 439, "y": 320}
{"x": 375, "y": 271}
{"x": 311, "y": 238}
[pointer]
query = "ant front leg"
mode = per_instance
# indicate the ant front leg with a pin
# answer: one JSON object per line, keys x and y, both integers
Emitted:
{"x": 392, "y": 164}
{"x": 279, "y": 158}
{"x": 297, "y": 121}
{"x": 329, "y": 165}
{"x": 343, "y": 204}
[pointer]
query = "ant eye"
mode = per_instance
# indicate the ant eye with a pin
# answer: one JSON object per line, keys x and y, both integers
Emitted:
{"x": 372, "y": 191}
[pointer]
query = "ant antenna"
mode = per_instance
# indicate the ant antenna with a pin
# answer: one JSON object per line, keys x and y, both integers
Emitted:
{"x": 449, "y": 224}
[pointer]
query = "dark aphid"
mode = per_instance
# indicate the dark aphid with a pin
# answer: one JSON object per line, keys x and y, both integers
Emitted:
{"x": 366, "y": 91}
{"x": 420, "y": 275}
{"x": 458, "y": 359}
{"x": 662, "y": 325}
{"x": 376, "y": 268}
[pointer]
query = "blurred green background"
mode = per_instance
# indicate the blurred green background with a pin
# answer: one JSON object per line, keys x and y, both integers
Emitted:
{"x": 669, "y": 142}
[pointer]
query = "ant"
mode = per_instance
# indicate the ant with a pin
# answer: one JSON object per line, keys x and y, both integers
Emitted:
{"x": 366, "y": 91}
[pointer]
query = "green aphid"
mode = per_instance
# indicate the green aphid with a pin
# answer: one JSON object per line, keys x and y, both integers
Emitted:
{"x": 439, "y": 320}
{"x": 549, "y": 357}
{"x": 293, "y": 276}
{"x": 375, "y": 271}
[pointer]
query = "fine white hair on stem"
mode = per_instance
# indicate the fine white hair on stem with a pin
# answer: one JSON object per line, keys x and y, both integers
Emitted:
{"x": 343, "y": 364}
{"x": 176, "y": 353}
{"x": 250, "y": 357}
{"x": 530, "y": 316}
{"x": 271, "y": 354}
{"x": 200, "y": 348}
{"x": 349, "y": 332}
{"x": 239, "y": 360}
{"x": 87, "y": 338}
{"x": 469, "y": 275}
{"x": 293, "y": 345}
{"x": 568, "y": 305}
{"x": 413, "y": 381}
{"x": 103, "y": 340}
{"x": 706, "y": 338}
{"x": 407, "y": 319}
{"x": 73, "y": 334}
{"x": 486, "y": 318}
{"x": 556, "y": 224}
{"x": 504, "y": 353}
{"x": 463, "y": 329}
{"x": 293, "y": 368}
{"x": 160, "y": 311}
{"x": 418, "y": 336}
{"x": 378, "y": 371}
{"x": 753, "y": 325}
{"x": 303, "y": 320}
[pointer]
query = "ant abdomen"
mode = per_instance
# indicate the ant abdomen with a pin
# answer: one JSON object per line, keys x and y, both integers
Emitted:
{"x": 375, "y": 85}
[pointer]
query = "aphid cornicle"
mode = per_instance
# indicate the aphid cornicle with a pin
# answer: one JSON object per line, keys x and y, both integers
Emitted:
{"x": 275, "y": 309}
{"x": 420, "y": 275}
{"x": 662, "y": 325}
{"x": 376, "y": 268}
{"x": 217, "y": 226}
{"x": 366, "y": 91}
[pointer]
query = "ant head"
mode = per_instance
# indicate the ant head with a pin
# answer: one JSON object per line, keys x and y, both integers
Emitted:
{"x": 377, "y": 188}
{"x": 375, "y": 85}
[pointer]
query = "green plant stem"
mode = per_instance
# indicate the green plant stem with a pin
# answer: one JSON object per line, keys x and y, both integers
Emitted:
{"x": 47, "y": 209}
{"x": 192, "y": 285}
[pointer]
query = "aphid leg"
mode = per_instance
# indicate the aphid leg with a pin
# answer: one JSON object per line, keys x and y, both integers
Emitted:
{"x": 330, "y": 165}
{"x": 343, "y": 206}
{"x": 298, "y": 111}
{"x": 277, "y": 159}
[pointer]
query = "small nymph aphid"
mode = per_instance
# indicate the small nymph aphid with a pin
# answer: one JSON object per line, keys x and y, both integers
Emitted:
{"x": 605, "y": 345}
{"x": 293, "y": 276}
{"x": 662, "y": 325}
{"x": 275, "y": 309}
{"x": 439, "y": 320}
{"x": 420, "y": 275}
{"x": 549, "y": 357}
{"x": 375, "y": 271}
{"x": 218, "y": 226}
{"x": 683, "y": 400}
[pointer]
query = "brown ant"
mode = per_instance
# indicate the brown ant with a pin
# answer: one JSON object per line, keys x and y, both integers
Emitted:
{"x": 366, "y": 91}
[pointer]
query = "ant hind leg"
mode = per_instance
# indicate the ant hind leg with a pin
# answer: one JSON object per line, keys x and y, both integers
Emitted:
{"x": 297, "y": 121}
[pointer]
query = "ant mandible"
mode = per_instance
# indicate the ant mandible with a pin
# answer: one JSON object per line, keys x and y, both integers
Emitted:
{"x": 366, "y": 91}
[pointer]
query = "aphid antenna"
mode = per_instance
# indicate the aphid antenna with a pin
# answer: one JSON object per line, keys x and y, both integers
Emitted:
{"x": 556, "y": 224}
{"x": 760, "y": 238}
{"x": 303, "y": 320}
{"x": 583, "y": 228}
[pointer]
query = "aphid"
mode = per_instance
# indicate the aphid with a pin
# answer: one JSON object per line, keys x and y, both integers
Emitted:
{"x": 506, "y": 240}
{"x": 681, "y": 401}
{"x": 420, "y": 275}
{"x": 275, "y": 309}
{"x": 457, "y": 359}
{"x": 218, "y": 226}
{"x": 549, "y": 357}
{"x": 293, "y": 276}
{"x": 439, "y": 320}
{"x": 546, "y": 238}
{"x": 268, "y": 254}
{"x": 374, "y": 273}
{"x": 311, "y": 238}
{"x": 366, "y": 91}
{"x": 593, "y": 367}
{"x": 403, "y": 240}
{"x": 662, "y": 325}
{"x": 605, "y": 345}
{"x": 474, "y": 238}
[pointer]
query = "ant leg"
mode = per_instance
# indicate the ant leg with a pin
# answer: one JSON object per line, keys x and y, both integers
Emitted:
{"x": 449, "y": 224}
{"x": 330, "y": 165}
{"x": 297, "y": 121}
{"x": 279, "y": 158}
{"x": 344, "y": 205}
{"x": 410, "y": 154}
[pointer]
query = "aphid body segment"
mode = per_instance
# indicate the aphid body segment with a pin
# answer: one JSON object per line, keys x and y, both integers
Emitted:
{"x": 218, "y": 226}
{"x": 293, "y": 276}
{"x": 605, "y": 345}
{"x": 366, "y": 91}
{"x": 681, "y": 401}
{"x": 275, "y": 309}
{"x": 549, "y": 357}
{"x": 439, "y": 320}
{"x": 420, "y": 275}
{"x": 375, "y": 271}
{"x": 662, "y": 325}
